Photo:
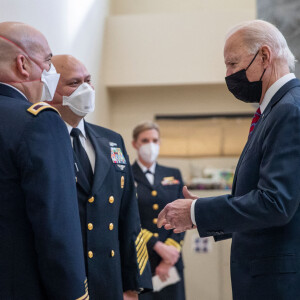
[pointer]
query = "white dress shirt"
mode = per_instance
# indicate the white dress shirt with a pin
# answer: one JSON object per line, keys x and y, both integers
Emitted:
{"x": 272, "y": 90}
{"x": 149, "y": 176}
{"x": 85, "y": 142}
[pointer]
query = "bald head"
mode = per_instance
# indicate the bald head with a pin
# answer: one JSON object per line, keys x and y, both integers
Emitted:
{"x": 72, "y": 74}
{"x": 21, "y": 38}
{"x": 24, "y": 54}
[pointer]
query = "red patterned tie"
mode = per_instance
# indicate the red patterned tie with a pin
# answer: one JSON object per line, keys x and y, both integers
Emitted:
{"x": 255, "y": 120}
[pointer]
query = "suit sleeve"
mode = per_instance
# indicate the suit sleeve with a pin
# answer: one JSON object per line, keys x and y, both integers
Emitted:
{"x": 48, "y": 183}
{"x": 277, "y": 196}
{"x": 176, "y": 239}
{"x": 136, "y": 273}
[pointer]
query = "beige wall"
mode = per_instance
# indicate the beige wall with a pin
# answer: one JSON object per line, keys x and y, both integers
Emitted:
{"x": 168, "y": 49}
{"x": 177, "y": 6}
{"x": 130, "y": 106}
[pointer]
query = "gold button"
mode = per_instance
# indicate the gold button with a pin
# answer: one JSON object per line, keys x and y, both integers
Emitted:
{"x": 90, "y": 226}
{"x": 156, "y": 234}
{"x": 122, "y": 182}
{"x": 155, "y": 221}
{"x": 112, "y": 253}
{"x": 111, "y": 199}
{"x": 154, "y": 193}
{"x": 111, "y": 226}
{"x": 91, "y": 200}
{"x": 90, "y": 254}
{"x": 155, "y": 206}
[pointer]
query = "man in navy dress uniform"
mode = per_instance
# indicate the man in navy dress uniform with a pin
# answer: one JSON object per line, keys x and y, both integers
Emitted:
{"x": 262, "y": 214}
{"x": 157, "y": 186}
{"x": 41, "y": 255}
{"x": 115, "y": 252}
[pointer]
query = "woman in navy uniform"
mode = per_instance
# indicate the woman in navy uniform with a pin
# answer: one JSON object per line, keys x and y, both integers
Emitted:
{"x": 157, "y": 186}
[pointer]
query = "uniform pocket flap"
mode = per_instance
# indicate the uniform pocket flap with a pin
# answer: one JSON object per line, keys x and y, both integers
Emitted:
{"x": 275, "y": 264}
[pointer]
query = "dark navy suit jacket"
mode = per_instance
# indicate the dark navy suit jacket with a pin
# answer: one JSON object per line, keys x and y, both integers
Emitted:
{"x": 41, "y": 255}
{"x": 116, "y": 256}
{"x": 263, "y": 213}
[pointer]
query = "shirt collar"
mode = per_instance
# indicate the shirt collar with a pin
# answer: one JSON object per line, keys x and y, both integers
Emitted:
{"x": 14, "y": 89}
{"x": 144, "y": 169}
{"x": 274, "y": 88}
{"x": 80, "y": 126}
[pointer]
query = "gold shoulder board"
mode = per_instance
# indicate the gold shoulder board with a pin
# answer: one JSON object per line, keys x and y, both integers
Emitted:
{"x": 36, "y": 108}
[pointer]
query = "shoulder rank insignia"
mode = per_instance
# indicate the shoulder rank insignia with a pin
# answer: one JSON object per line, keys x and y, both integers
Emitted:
{"x": 117, "y": 156}
{"x": 36, "y": 108}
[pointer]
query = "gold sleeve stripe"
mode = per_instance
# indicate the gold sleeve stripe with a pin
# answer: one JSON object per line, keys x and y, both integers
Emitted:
{"x": 140, "y": 245}
{"x": 144, "y": 265}
{"x": 141, "y": 249}
{"x": 84, "y": 297}
{"x": 140, "y": 255}
{"x": 147, "y": 235}
{"x": 145, "y": 256}
{"x": 138, "y": 237}
{"x": 172, "y": 242}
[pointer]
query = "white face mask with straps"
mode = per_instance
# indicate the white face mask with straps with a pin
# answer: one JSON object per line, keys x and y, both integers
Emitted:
{"x": 50, "y": 79}
{"x": 81, "y": 101}
{"x": 149, "y": 152}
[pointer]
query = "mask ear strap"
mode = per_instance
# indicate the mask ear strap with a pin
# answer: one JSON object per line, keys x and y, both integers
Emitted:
{"x": 252, "y": 60}
{"x": 262, "y": 75}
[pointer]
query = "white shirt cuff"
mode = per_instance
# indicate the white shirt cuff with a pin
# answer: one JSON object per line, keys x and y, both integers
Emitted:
{"x": 193, "y": 212}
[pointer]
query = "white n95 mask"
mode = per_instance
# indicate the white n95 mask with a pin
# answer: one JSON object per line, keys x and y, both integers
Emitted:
{"x": 149, "y": 152}
{"x": 50, "y": 79}
{"x": 81, "y": 101}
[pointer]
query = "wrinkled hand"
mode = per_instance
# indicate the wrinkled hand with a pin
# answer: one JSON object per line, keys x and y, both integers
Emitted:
{"x": 176, "y": 215}
{"x": 130, "y": 295}
{"x": 162, "y": 270}
{"x": 187, "y": 194}
{"x": 167, "y": 252}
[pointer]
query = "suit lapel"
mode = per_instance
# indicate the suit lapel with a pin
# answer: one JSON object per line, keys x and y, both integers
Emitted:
{"x": 276, "y": 98}
{"x": 103, "y": 159}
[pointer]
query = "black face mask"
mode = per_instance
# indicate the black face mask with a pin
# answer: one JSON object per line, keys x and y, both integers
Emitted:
{"x": 244, "y": 90}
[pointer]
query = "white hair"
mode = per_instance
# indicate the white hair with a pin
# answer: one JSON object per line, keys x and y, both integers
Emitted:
{"x": 257, "y": 33}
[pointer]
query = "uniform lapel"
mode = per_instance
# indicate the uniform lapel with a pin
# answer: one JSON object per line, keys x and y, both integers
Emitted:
{"x": 80, "y": 175}
{"x": 102, "y": 152}
{"x": 140, "y": 176}
{"x": 157, "y": 176}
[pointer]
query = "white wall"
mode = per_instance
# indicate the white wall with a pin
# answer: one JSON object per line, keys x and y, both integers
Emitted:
{"x": 72, "y": 27}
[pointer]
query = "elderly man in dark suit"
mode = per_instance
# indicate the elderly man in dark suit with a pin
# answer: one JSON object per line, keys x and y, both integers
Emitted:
{"x": 116, "y": 256}
{"x": 262, "y": 214}
{"x": 41, "y": 255}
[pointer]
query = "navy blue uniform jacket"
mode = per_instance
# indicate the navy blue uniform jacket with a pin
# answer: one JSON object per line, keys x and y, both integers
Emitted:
{"x": 152, "y": 199}
{"x": 115, "y": 253}
{"x": 41, "y": 255}
{"x": 263, "y": 213}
